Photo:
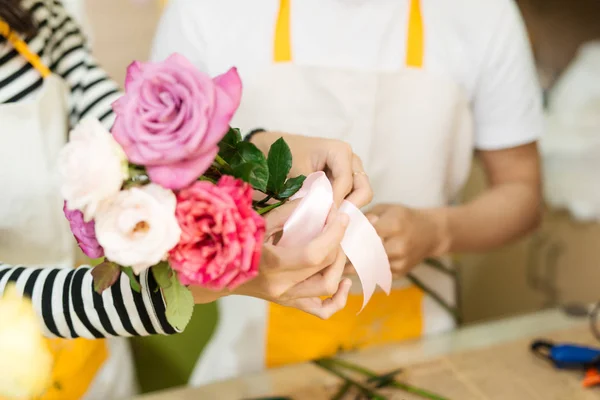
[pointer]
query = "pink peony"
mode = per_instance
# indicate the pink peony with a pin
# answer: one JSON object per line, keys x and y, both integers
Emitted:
{"x": 84, "y": 232}
{"x": 222, "y": 236}
{"x": 172, "y": 118}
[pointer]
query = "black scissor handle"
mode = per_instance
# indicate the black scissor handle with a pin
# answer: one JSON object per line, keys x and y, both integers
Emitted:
{"x": 542, "y": 348}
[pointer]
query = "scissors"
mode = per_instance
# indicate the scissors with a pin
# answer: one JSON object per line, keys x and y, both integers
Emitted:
{"x": 571, "y": 357}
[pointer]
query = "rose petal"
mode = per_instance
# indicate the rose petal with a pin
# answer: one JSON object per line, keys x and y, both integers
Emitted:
{"x": 177, "y": 58}
{"x": 183, "y": 173}
{"x": 228, "y": 90}
{"x": 134, "y": 71}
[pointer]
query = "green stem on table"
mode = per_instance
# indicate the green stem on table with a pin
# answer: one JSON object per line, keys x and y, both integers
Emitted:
{"x": 395, "y": 384}
{"x": 342, "y": 392}
{"x": 265, "y": 210}
{"x": 436, "y": 297}
{"x": 326, "y": 365}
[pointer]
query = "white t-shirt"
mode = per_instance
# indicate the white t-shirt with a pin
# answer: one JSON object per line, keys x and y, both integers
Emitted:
{"x": 480, "y": 44}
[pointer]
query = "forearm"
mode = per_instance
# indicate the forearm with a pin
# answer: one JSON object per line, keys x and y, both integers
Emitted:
{"x": 69, "y": 307}
{"x": 499, "y": 215}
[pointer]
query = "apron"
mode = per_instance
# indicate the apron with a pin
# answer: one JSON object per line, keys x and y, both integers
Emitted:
{"x": 33, "y": 229}
{"x": 414, "y": 132}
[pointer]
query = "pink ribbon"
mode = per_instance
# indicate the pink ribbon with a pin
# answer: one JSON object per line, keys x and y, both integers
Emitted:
{"x": 362, "y": 245}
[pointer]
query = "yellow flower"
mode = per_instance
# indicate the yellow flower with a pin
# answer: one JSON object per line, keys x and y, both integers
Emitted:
{"x": 25, "y": 360}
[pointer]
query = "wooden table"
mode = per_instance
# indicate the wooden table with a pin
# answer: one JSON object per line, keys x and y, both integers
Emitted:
{"x": 483, "y": 362}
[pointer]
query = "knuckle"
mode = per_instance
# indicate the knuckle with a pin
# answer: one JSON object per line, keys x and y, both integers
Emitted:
{"x": 395, "y": 224}
{"x": 314, "y": 257}
{"x": 369, "y": 195}
{"x": 276, "y": 291}
{"x": 331, "y": 287}
{"x": 345, "y": 147}
{"x": 330, "y": 259}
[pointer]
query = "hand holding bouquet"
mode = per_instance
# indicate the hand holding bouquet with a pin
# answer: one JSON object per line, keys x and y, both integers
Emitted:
{"x": 172, "y": 189}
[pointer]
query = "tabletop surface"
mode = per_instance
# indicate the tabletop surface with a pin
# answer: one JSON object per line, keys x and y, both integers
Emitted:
{"x": 481, "y": 362}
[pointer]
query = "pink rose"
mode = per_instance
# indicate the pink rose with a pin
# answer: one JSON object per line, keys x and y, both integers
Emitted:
{"x": 222, "y": 236}
{"x": 172, "y": 118}
{"x": 84, "y": 232}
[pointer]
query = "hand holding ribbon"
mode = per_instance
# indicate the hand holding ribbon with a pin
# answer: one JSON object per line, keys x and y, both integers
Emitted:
{"x": 361, "y": 244}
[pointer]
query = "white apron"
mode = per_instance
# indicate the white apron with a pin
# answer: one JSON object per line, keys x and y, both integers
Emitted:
{"x": 414, "y": 133}
{"x": 34, "y": 230}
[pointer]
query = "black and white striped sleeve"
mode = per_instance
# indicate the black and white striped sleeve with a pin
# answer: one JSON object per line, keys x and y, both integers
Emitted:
{"x": 69, "y": 307}
{"x": 92, "y": 91}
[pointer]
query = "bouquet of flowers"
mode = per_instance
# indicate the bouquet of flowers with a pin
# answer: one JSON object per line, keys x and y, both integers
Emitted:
{"x": 172, "y": 189}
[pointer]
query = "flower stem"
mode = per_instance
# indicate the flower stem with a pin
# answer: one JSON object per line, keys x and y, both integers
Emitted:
{"x": 222, "y": 163}
{"x": 265, "y": 200}
{"x": 265, "y": 210}
{"x": 326, "y": 364}
{"x": 342, "y": 392}
{"x": 397, "y": 385}
{"x": 206, "y": 178}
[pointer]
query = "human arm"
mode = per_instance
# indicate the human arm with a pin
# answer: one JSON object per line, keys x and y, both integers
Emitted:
{"x": 92, "y": 92}
{"x": 508, "y": 209}
{"x": 68, "y": 306}
{"x": 508, "y": 122}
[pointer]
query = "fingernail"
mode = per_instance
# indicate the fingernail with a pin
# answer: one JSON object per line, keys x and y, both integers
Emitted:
{"x": 344, "y": 219}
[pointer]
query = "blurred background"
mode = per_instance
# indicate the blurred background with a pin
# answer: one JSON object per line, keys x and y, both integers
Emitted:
{"x": 559, "y": 265}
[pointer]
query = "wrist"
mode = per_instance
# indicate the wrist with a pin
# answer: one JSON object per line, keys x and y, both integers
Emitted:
{"x": 205, "y": 296}
{"x": 443, "y": 233}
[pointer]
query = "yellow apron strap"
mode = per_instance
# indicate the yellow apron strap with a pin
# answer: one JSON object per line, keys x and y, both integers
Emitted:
{"x": 282, "y": 48}
{"x": 415, "y": 44}
{"x": 23, "y": 49}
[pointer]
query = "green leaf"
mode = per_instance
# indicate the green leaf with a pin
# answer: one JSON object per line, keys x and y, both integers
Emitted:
{"x": 180, "y": 304}
{"x": 135, "y": 285}
{"x": 243, "y": 171}
{"x": 247, "y": 153}
{"x": 291, "y": 187}
{"x": 227, "y": 145}
{"x": 162, "y": 274}
{"x": 105, "y": 275}
{"x": 280, "y": 163}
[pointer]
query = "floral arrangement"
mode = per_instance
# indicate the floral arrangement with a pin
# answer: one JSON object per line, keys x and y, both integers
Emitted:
{"x": 172, "y": 187}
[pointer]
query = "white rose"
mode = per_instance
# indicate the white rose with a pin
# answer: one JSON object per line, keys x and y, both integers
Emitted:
{"x": 92, "y": 167}
{"x": 138, "y": 227}
{"x": 25, "y": 360}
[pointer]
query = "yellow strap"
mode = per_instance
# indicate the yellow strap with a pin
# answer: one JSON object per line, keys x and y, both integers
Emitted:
{"x": 283, "y": 42}
{"x": 415, "y": 42}
{"x": 282, "y": 50}
{"x": 23, "y": 49}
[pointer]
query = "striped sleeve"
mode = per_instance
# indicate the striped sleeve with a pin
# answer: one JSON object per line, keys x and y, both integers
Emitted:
{"x": 69, "y": 307}
{"x": 92, "y": 91}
